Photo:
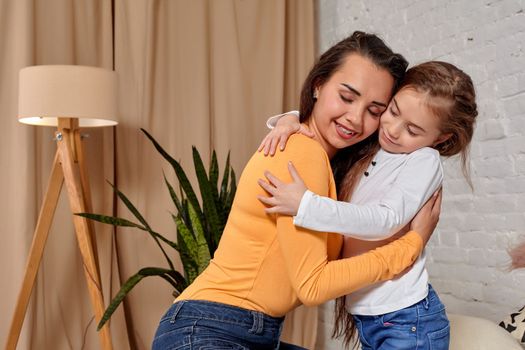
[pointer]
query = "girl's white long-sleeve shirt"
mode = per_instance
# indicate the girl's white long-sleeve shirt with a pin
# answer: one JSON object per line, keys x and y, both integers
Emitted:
{"x": 386, "y": 199}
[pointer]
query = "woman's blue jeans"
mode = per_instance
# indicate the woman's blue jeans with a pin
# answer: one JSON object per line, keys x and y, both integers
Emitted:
{"x": 422, "y": 326}
{"x": 205, "y": 325}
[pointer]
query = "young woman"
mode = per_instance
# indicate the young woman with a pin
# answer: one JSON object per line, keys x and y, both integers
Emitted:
{"x": 265, "y": 266}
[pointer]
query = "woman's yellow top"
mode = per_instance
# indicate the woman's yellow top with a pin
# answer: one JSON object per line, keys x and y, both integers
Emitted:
{"x": 265, "y": 263}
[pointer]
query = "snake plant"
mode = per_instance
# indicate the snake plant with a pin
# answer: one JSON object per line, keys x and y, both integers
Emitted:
{"x": 199, "y": 223}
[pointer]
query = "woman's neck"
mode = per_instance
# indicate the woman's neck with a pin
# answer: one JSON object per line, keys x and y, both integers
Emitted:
{"x": 330, "y": 151}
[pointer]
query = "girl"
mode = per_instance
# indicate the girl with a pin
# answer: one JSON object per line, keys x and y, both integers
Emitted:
{"x": 264, "y": 265}
{"x": 432, "y": 114}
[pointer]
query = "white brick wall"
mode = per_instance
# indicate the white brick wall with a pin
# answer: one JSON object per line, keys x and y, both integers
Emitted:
{"x": 468, "y": 253}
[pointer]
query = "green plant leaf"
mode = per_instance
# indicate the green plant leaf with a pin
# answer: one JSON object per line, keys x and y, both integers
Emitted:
{"x": 132, "y": 282}
{"x": 181, "y": 175}
{"x": 208, "y": 202}
{"x": 110, "y": 220}
{"x": 184, "y": 207}
{"x": 214, "y": 170}
{"x": 130, "y": 206}
{"x": 214, "y": 184}
{"x": 179, "y": 279}
{"x": 203, "y": 251}
{"x": 198, "y": 227}
{"x": 143, "y": 221}
{"x": 190, "y": 251}
{"x": 224, "y": 185}
{"x": 189, "y": 265}
{"x": 173, "y": 195}
{"x": 115, "y": 221}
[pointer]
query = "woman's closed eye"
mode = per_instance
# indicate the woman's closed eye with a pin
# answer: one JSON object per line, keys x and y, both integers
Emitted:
{"x": 376, "y": 112}
{"x": 346, "y": 98}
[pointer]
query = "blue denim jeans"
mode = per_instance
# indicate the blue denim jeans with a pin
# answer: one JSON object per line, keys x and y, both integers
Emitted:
{"x": 205, "y": 325}
{"x": 422, "y": 326}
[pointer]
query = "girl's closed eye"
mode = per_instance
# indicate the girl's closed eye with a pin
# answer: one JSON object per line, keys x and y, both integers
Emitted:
{"x": 410, "y": 132}
{"x": 394, "y": 113}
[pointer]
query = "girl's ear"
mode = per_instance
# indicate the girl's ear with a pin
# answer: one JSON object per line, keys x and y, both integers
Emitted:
{"x": 442, "y": 138}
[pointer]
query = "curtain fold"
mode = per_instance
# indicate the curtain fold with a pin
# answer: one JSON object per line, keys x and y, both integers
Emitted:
{"x": 59, "y": 315}
{"x": 204, "y": 73}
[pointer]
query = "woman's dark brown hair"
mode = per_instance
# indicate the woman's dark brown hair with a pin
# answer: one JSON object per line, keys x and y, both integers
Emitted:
{"x": 349, "y": 162}
{"x": 367, "y": 45}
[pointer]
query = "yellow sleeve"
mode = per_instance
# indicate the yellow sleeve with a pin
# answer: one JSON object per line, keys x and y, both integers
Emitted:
{"x": 313, "y": 277}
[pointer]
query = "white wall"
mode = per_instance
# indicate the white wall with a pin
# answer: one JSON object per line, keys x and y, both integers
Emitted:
{"x": 468, "y": 253}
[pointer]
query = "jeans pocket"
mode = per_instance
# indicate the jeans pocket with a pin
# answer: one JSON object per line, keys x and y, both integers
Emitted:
{"x": 172, "y": 338}
{"x": 361, "y": 334}
{"x": 440, "y": 339}
{"x": 217, "y": 344}
{"x": 402, "y": 319}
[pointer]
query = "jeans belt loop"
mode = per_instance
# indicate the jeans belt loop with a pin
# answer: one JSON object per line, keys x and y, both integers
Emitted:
{"x": 178, "y": 306}
{"x": 426, "y": 303}
{"x": 258, "y": 323}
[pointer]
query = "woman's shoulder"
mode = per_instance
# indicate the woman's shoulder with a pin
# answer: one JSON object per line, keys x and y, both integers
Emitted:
{"x": 308, "y": 157}
{"x": 301, "y": 150}
{"x": 298, "y": 143}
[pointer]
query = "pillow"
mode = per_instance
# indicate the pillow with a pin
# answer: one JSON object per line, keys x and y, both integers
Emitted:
{"x": 468, "y": 333}
{"x": 515, "y": 325}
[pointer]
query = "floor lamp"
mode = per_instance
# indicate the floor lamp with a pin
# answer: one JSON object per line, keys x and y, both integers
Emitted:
{"x": 69, "y": 98}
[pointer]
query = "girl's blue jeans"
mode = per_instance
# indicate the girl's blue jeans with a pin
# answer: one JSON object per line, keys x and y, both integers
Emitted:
{"x": 205, "y": 325}
{"x": 422, "y": 326}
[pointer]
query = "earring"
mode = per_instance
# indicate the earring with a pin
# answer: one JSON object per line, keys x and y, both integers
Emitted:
{"x": 315, "y": 95}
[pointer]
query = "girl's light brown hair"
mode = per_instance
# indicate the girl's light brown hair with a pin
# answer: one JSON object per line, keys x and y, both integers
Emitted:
{"x": 450, "y": 95}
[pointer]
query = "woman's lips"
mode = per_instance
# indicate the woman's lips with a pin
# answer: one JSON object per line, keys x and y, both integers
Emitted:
{"x": 344, "y": 132}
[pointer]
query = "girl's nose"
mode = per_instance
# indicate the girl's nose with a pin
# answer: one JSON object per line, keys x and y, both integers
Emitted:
{"x": 394, "y": 130}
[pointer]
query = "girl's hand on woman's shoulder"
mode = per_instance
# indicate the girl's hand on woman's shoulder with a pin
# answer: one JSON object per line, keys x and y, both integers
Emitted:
{"x": 427, "y": 218}
{"x": 286, "y": 126}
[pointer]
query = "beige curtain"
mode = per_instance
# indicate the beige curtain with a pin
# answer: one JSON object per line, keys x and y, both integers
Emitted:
{"x": 203, "y": 73}
{"x": 35, "y": 33}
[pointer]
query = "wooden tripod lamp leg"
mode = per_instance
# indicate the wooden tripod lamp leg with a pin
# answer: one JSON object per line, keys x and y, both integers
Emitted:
{"x": 45, "y": 220}
{"x": 77, "y": 203}
{"x": 65, "y": 169}
{"x": 86, "y": 192}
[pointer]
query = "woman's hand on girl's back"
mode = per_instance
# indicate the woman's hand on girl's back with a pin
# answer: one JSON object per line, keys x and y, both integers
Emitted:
{"x": 427, "y": 218}
{"x": 285, "y": 197}
{"x": 285, "y": 127}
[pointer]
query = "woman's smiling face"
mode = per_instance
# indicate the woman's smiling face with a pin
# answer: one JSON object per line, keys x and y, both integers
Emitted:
{"x": 350, "y": 103}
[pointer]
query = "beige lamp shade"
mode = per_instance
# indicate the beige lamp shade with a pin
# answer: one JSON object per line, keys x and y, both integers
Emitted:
{"x": 49, "y": 92}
